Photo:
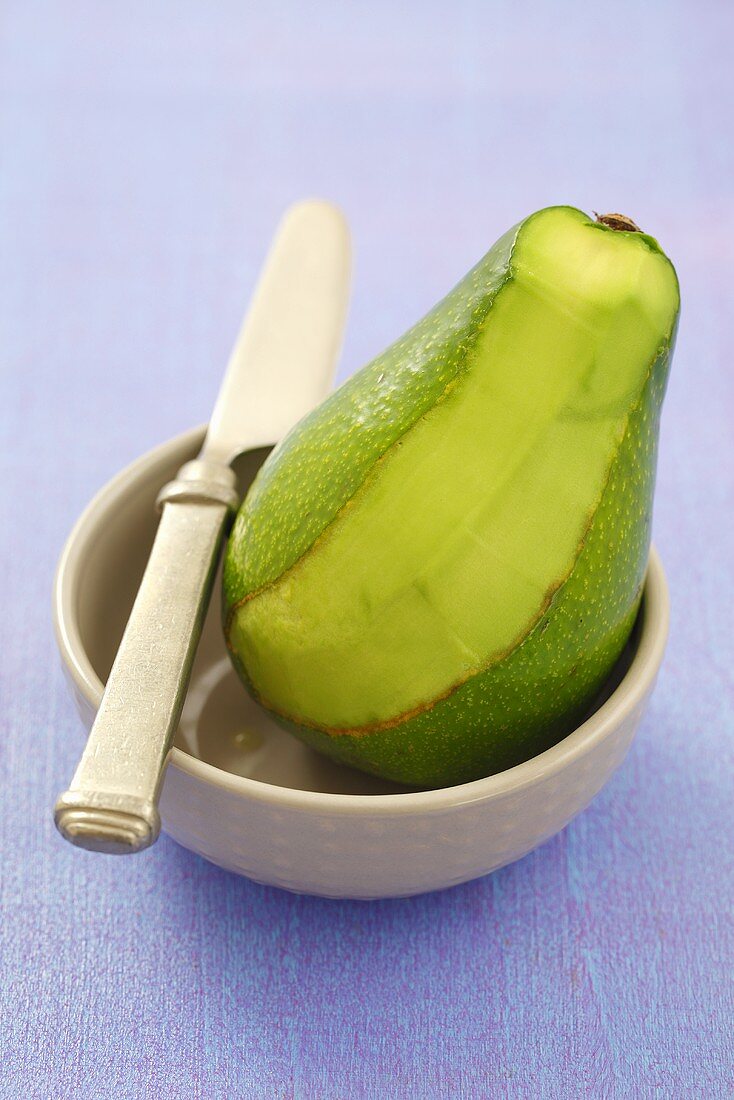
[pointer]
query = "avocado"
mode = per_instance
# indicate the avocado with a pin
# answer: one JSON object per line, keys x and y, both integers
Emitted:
{"x": 437, "y": 569}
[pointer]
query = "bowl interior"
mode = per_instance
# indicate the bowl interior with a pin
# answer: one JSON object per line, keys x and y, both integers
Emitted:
{"x": 220, "y": 724}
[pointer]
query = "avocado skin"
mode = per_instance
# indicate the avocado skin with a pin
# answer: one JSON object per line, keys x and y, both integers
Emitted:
{"x": 526, "y": 703}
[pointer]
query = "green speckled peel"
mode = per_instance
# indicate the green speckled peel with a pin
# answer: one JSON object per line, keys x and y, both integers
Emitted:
{"x": 436, "y": 571}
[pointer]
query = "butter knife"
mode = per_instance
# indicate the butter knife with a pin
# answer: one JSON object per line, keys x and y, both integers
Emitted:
{"x": 281, "y": 367}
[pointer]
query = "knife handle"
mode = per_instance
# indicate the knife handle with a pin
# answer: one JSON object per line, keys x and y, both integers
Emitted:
{"x": 111, "y": 805}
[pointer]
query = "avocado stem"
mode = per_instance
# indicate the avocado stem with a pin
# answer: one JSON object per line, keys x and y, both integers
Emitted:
{"x": 620, "y": 222}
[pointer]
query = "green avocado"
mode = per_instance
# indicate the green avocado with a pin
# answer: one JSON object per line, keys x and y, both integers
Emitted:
{"x": 435, "y": 572}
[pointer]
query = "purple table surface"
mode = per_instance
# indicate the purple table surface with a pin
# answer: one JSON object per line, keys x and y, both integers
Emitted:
{"x": 147, "y": 150}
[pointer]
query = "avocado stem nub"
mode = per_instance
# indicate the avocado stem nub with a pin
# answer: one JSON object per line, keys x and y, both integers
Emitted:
{"x": 619, "y": 222}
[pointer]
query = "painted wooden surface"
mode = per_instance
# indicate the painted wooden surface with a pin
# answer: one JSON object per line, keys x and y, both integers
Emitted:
{"x": 146, "y": 151}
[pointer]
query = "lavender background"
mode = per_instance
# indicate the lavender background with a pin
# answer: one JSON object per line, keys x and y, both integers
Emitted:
{"x": 147, "y": 150}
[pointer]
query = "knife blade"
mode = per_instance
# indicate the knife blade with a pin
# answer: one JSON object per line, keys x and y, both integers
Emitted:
{"x": 281, "y": 366}
{"x": 292, "y": 333}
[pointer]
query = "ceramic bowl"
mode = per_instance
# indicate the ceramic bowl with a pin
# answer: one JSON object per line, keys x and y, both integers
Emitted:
{"x": 249, "y": 797}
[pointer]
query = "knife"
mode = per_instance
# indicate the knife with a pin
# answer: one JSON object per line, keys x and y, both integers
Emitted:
{"x": 282, "y": 365}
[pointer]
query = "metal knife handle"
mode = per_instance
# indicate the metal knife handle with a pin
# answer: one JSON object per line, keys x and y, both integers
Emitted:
{"x": 111, "y": 805}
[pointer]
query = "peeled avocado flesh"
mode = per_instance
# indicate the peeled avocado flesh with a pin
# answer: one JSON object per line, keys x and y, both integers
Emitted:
{"x": 437, "y": 569}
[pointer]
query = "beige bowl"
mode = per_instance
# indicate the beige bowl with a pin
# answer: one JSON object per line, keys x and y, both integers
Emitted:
{"x": 249, "y": 797}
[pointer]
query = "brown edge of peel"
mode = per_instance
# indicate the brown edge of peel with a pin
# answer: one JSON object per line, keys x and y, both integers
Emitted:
{"x": 550, "y": 595}
{"x": 620, "y": 222}
{"x": 420, "y": 708}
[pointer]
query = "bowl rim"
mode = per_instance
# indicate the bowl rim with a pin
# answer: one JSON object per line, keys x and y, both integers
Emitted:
{"x": 628, "y": 695}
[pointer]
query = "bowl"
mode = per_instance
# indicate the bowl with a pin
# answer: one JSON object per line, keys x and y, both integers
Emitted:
{"x": 244, "y": 794}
